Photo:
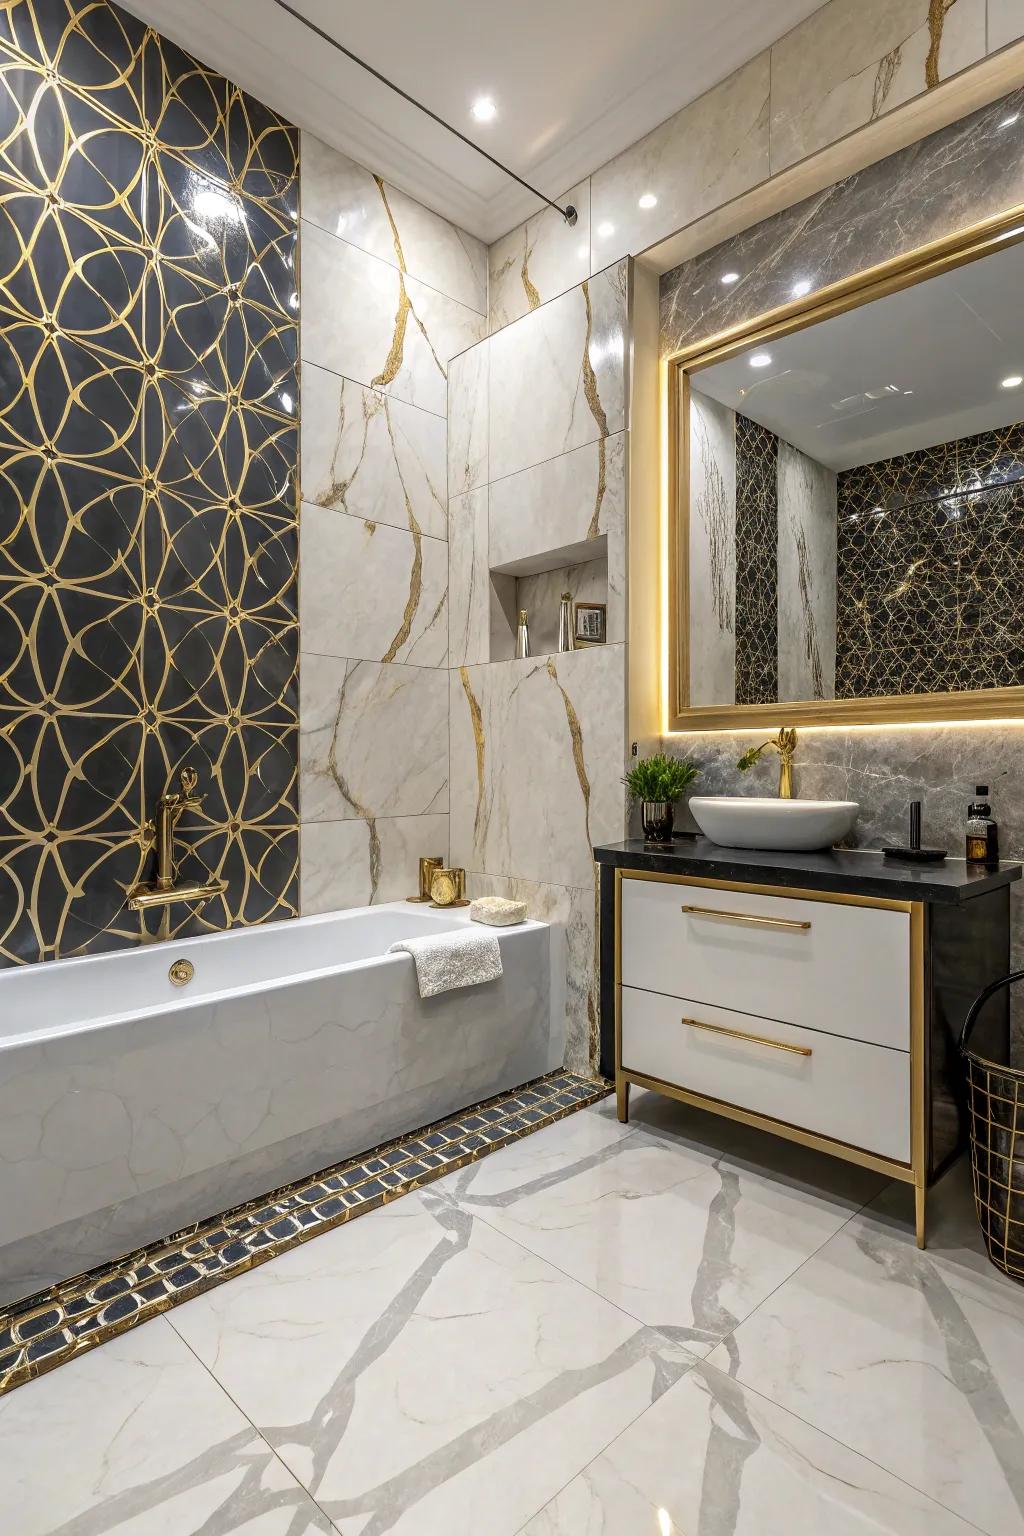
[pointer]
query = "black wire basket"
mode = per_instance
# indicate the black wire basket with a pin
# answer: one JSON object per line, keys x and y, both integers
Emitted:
{"x": 995, "y": 1105}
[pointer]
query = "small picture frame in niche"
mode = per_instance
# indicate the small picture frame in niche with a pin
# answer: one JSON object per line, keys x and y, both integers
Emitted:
{"x": 591, "y": 627}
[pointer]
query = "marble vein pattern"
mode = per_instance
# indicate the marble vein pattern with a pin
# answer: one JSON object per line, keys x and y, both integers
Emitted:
{"x": 357, "y": 862}
{"x": 535, "y": 751}
{"x": 561, "y": 504}
{"x": 469, "y": 580}
{"x": 557, "y": 377}
{"x": 957, "y": 176}
{"x": 596, "y": 1199}
{"x": 468, "y": 398}
{"x": 370, "y": 591}
{"x": 368, "y": 454}
{"x": 374, "y": 739}
{"x": 467, "y": 1346}
{"x": 936, "y": 1336}
{"x": 807, "y": 503}
{"x": 710, "y": 152}
{"x": 151, "y": 1445}
{"x": 854, "y": 60}
{"x": 368, "y": 320}
{"x": 749, "y": 1469}
{"x": 344, "y": 199}
{"x": 712, "y": 552}
{"x": 539, "y": 259}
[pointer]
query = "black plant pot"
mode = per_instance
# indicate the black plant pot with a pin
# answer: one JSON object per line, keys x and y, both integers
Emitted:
{"x": 657, "y": 818}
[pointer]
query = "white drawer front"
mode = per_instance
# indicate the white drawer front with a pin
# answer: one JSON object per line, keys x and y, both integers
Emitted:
{"x": 853, "y": 1092}
{"x": 844, "y": 969}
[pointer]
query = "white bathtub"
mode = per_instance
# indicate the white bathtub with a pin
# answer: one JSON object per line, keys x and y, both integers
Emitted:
{"x": 130, "y": 1107}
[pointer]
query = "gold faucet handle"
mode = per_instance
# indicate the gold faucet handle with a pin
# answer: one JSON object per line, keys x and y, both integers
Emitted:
{"x": 189, "y": 779}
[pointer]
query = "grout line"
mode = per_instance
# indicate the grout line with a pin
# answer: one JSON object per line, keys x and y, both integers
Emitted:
{"x": 375, "y": 661}
{"x": 393, "y": 265}
{"x": 256, "y": 1429}
{"x": 357, "y": 517}
{"x": 413, "y": 405}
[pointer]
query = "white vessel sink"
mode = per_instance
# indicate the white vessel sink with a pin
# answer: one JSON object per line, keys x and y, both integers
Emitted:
{"x": 740, "y": 821}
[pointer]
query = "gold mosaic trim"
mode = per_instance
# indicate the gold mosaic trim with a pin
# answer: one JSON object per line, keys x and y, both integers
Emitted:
{"x": 44, "y": 1331}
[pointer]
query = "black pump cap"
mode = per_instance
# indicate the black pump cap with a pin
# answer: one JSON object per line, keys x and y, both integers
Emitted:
{"x": 981, "y": 789}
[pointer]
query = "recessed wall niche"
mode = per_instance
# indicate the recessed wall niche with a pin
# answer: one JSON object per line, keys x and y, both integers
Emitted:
{"x": 148, "y": 455}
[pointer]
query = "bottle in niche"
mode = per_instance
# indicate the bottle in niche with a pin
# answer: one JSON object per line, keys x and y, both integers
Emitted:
{"x": 566, "y": 641}
{"x": 982, "y": 831}
{"x": 522, "y": 635}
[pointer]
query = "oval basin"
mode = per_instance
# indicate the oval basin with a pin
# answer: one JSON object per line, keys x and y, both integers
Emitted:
{"x": 741, "y": 821}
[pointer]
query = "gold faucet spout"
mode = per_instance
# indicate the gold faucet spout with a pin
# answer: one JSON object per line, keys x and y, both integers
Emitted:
{"x": 164, "y": 888}
{"x": 785, "y": 745}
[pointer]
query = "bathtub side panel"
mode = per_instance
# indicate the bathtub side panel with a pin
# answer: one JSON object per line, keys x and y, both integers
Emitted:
{"x": 115, "y": 1137}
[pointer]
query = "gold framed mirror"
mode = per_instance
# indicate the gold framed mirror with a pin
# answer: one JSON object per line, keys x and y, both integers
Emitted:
{"x": 846, "y": 499}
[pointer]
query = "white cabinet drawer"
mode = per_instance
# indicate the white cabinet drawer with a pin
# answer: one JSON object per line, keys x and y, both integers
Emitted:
{"x": 823, "y": 965}
{"x": 855, "y": 1093}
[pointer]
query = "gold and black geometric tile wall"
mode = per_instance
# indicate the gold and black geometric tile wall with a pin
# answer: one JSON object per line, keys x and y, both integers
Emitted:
{"x": 930, "y": 589}
{"x": 148, "y": 478}
{"x": 757, "y": 563}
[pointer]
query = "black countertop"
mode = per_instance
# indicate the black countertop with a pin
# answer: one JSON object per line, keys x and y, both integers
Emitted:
{"x": 865, "y": 874}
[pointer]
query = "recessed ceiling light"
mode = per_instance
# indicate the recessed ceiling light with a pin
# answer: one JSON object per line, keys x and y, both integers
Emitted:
{"x": 605, "y": 229}
{"x": 484, "y": 109}
{"x": 760, "y": 360}
{"x": 1012, "y": 380}
{"x": 728, "y": 278}
{"x": 648, "y": 201}
{"x": 800, "y": 288}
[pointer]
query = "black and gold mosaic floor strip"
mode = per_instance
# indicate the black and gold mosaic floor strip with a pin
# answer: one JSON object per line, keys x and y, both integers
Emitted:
{"x": 45, "y": 1330}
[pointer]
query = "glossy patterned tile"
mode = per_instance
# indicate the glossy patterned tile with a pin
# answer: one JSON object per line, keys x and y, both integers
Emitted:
{"x": 497, "y": 1377}
{"x": 914, "y": 1360}
{"x": 678, "y": 1235}
{"x": 749, "y": 1469}
{"x": 68, "y": 1319}
{"x": 148, "y": 1443}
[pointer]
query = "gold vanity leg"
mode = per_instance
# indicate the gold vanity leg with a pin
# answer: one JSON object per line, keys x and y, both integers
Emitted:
{"x": 622, "y": 1099}
{"x": 920, "y": 1196}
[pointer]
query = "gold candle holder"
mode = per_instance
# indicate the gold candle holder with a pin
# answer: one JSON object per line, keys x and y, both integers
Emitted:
{"x": 442, "y": 888}
{"x": 428, "y": 869}
{"x": 461, "y": 900}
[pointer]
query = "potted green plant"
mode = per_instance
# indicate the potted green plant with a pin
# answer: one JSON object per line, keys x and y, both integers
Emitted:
{"x": 657, "y": 782}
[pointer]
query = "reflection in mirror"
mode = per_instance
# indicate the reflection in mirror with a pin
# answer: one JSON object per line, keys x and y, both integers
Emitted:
{"x": 856, "y": 501}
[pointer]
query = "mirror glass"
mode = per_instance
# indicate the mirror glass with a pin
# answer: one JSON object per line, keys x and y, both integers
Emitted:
{"x": 853, "y": 505}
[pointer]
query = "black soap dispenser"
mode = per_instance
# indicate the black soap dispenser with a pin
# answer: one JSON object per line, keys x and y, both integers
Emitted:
{"x": 912, "y": 851}
{"x": 982, "y": 831}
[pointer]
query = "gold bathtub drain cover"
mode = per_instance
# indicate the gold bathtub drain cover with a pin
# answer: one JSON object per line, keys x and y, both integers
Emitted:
{"x": 181, "y": 973}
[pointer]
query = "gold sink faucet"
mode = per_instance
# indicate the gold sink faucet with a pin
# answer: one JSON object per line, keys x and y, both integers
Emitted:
{"x": 164, "y": 890}
{"x": 785, "y": 745}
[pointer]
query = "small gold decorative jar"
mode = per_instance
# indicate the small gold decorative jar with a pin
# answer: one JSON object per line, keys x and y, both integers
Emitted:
{"x": 443, "y": 889}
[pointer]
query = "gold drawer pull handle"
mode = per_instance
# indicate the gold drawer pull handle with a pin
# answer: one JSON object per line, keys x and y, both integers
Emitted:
{"x": 792, "y": 923}
{"x": 738, "y": 1034}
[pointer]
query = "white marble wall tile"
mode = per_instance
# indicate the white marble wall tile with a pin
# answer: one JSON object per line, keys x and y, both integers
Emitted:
{"x": 853, "y": 60}
{"x": 540, "y": 259}
{"x": 373, "y": 739}
{"x": 1005, "y": 23}
{"x": 564, "y": 501}
{"x": 572, "y": 913}
{"x": 356, "y": 863}
{"x": 806, "y": 576}
{"x": 712, "y": 552}
{"x": 468, "y": 376}
{"x": 346, "y": 200}
{"x": 367, "y": 453}
{"x": 370, "y": 591}
{"x": 558, "y": 375}
{"x": 468, "y": 579}
{"x": 750, "y": 1469}
{"x": 711, "y": 151}
{"x": 367, "y": 320}
{"x": 148, "y": 1443}
{"x": 496, "y": 1377}
{"x": 537, "y": 751}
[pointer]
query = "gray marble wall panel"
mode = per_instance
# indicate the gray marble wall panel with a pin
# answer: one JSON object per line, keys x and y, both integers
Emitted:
{"x": 807, "y": 576}
{"x": 712, "y": 552}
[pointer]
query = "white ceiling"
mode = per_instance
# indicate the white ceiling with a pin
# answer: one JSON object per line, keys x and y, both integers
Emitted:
{"x": 576, "y": 81}
{"x": 949, "y": 342}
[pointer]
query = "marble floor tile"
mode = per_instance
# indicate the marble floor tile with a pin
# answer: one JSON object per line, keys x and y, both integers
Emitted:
{"x": 420, "y": 1373}
{"x": 715, "y": 1458}
{"x": 915, "y": 1360}
{"x": 678, "y": 1235}
{"x": 137, "y": 1438}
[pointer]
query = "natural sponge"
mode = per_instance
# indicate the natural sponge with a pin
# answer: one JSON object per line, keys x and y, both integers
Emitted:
{"x": 496, "y": 911}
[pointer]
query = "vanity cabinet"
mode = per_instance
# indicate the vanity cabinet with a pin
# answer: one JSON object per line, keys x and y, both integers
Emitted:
{"x": 817, "y": 996}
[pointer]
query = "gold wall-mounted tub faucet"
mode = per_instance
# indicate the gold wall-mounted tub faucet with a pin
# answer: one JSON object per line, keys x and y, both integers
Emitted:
{"x": 164, "y": 889}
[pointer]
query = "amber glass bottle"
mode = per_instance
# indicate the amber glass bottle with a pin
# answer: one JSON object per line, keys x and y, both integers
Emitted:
{"x": 982, "y": 831}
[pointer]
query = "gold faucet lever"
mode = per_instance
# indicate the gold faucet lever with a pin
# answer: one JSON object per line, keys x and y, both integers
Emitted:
{"x": 785, "y": 745}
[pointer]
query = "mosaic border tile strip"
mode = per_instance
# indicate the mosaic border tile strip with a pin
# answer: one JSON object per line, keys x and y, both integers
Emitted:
{"x": 45, "y": 1330}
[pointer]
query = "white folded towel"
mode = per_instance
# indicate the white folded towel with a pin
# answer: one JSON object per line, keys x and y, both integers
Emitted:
{"x": 463, "y": 957}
